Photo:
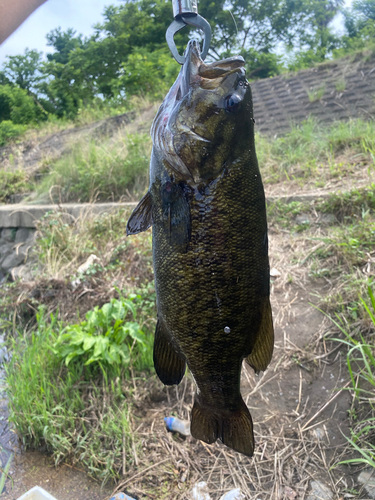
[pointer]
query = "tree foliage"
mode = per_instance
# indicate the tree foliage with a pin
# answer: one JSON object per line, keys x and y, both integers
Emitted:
{"x": 24, "y": 70}
{"x": 127, "y": 53}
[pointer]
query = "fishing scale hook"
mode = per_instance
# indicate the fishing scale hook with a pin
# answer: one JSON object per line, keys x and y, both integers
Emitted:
{"x": 186, "y": 12}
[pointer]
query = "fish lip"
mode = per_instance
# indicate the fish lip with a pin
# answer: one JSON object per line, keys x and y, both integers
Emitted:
{"x": 195, "y": 72}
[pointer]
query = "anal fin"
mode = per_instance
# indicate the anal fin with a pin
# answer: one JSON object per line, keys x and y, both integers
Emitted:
{"x": 169, "y": 365}
{"x": 261, "y": 355}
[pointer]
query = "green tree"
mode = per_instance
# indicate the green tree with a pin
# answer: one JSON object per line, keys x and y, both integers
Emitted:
{"x": 24, "y": 70}
{"x": 66, "y": 85}
{"x": 17, "y": 106}
{"x": 359, "y": 17}
{"x": 63, "y": 43}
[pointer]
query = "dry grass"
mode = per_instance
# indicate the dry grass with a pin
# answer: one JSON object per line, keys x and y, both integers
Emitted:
{"x": 289, "y": 453}
{"x": 297, "y": 424}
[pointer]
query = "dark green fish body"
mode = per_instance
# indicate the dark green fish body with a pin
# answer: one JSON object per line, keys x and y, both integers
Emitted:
{"x": 206, "y": 204}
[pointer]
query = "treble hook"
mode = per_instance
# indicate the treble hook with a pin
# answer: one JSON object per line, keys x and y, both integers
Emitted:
{"x": 186, "y": 12}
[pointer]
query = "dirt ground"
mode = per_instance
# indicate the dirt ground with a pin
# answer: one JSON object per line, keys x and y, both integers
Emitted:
{"x": 299, "y": 407}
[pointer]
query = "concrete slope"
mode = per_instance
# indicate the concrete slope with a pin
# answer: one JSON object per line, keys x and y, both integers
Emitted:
{"x": 336, "y": 90}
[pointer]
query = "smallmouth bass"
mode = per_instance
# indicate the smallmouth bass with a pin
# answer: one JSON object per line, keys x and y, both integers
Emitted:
{"x": 206, "y": 205}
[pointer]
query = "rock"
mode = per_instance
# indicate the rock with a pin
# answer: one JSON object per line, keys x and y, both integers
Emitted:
{"x": 22, "y": 272}
{"x": 25, "y": 234}
{"x": 3, "y": 354}
{"x": 318, "y": 433}
{"x": 5, "y": 250}
{"x": 327, "y": 220}
{"x": 9, "y": 234}
{"x": 319, "y": 491}
{"x": 367, "y": 478}
{"x": 302, "y": 219}
{"x": 16, "y": 258}
{"x": 289, "y": 493}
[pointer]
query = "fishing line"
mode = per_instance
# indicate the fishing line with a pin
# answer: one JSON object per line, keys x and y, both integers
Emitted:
{"x": 234, "y": 21}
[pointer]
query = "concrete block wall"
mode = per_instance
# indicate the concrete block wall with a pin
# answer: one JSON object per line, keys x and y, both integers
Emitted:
{"x": 15, "y": 251}
{"x": 18, "y": 232}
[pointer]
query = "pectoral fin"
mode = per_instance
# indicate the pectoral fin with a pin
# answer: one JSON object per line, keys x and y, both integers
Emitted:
{"x": 176, "y": 216}
{"x": 261, "y": 354}
{"x": 169, "y": 365}
{"x": 141, "y": 218}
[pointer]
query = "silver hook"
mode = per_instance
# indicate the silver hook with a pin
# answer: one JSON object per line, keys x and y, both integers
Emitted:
{"x": 186, "y": 12}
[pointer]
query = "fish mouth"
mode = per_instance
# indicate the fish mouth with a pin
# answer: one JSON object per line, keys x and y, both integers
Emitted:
{"x": 196, "y": 72}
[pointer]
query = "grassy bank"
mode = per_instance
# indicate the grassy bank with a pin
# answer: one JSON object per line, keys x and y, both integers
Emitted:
{"x": 308, "y": 157}
{"x": 89, "y": 330}
{"x": 317, "y": 153}
{"x": 69, "y": 385}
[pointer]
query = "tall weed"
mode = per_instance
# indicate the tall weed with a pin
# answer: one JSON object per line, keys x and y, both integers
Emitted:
{"x": 360, "y": 360}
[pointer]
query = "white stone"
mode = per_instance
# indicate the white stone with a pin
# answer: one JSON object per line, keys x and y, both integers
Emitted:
{"x": 367, "y": 478}
{"x": 319, "y": 491}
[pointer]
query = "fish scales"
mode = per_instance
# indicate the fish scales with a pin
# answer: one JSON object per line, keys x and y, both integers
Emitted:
{"x": 210, "y": 246}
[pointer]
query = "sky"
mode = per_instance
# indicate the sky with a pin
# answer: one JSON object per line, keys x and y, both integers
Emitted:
{"x": 78, "y": 14}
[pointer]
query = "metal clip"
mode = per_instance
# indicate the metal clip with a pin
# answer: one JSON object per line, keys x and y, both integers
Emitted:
{"x": 186, "y": 12}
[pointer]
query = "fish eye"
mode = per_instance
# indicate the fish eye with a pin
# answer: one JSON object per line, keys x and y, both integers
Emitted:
{"x": 231, "y": 102}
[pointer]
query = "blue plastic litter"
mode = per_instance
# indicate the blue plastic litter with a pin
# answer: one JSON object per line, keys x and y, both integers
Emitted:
{"x": 122, "y": 496}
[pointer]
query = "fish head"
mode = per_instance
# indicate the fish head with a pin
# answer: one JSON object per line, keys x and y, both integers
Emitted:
{"x": 206, "y": 118}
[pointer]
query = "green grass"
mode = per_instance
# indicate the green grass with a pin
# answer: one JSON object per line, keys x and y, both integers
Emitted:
{"x": 10, "y": 131}
{"x": 316, "y": 94}
{"x": 354, "y": 204}
{"x": 13, "y": 182}
{"x": 64, "y": 244}
{"x": 110, "y": 170}
{"x": 360, "y": 360}
{"x": 349, "y": 208}
{"x": 80, "y": 412}
{"x": 310, "y": 150}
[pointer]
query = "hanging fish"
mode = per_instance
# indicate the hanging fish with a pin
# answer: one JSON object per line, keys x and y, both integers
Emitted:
{"x": 206, "y": 205}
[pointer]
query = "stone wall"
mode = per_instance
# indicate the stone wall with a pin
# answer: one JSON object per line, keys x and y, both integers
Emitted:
{"x": 18, "y": 232}
{"x": 15, "y": 251}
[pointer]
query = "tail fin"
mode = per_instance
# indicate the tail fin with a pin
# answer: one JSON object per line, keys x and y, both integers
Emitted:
{"x": 234, "y": 429}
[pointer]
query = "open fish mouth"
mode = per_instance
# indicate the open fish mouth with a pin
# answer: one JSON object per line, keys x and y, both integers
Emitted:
{"x": 196, "y": 72}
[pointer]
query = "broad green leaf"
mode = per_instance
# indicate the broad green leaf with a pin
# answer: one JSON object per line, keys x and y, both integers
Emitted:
{"x": 88, "y": 342}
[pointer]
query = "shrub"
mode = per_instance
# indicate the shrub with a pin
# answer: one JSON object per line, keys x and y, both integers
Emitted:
{"x": 9, "y": 131}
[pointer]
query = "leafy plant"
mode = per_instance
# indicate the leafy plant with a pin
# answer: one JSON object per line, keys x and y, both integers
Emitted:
{"x": 105, "y": 338}
{"x": 53, "y": 406}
